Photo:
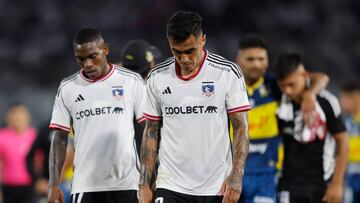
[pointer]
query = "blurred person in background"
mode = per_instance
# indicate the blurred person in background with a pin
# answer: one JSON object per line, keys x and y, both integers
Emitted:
{"x": 67, "y": 172}
{"x": 350, "y": 103}
{"x": 264, "y": 95}
{"x": 16, "y": 140}
{"x": 38, "y": 162}
{"x": 315, "y": 152}
{"x": 139, "y": 56}
{"x": 99, "y": 103}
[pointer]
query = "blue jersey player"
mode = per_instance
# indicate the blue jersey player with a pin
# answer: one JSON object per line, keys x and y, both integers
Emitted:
{"x": 350, "y": 102}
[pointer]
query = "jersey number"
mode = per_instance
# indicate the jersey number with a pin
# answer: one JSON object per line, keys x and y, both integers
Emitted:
{"x": 159, "y": 200}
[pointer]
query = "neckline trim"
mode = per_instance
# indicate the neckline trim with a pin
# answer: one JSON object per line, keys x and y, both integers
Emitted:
{"x": 178, "y": 69}
{"x": 102, "y": 78}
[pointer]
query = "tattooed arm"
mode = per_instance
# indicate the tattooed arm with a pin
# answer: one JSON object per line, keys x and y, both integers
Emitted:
{"x": 232, "y": 186}
{"x": 56, "y": 162}
{"x": 149, "y": 149}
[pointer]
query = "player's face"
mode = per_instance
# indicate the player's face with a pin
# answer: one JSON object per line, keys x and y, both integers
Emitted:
{"x": 349, "y": 101}
{"x": 92, "y": 58}
{"x": 188, "y": 53}
{"x": 294, "y": 85}
{"x": 254, "y": 62}
{"x": 18, "y": 117}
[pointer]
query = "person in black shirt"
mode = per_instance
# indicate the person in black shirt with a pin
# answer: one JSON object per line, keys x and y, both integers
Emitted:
{"x": 315, "y": 152}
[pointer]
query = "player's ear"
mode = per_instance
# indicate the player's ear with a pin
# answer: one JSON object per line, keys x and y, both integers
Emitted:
{"x": 306, "y": 73}
{"x": 106, "y": 48}
{"x": 203, "y": 39}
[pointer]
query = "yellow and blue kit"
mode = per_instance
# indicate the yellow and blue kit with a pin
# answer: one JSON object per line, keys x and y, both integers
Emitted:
{"x": 352, "y": 193}
{"x": 260, "y": 168}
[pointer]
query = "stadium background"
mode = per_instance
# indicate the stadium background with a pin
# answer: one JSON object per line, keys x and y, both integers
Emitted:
{"x": 36, "y": 49}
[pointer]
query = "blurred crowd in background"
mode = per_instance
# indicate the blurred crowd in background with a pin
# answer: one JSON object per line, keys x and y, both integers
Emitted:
{"x": 36, "y": 36}
{"x": 36, "y": 41}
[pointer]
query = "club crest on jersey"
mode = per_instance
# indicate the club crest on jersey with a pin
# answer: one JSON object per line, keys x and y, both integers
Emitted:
{"x": 118, "y": 92}
{"x": 208, "y": 88}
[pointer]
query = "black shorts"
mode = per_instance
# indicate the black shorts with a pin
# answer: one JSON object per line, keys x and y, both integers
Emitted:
{"x": 300, "y": 195}
{"x": 18, "y": 194}
{"x": 106, "y": 197}
{"x": 168, "y": 196}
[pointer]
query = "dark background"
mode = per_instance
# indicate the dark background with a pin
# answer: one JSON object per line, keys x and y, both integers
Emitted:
{"x": 36, "y": 37}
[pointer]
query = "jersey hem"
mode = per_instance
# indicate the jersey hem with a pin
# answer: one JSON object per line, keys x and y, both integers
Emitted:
{"x": 102, "y": 189}
{"x": 187, "y": 192}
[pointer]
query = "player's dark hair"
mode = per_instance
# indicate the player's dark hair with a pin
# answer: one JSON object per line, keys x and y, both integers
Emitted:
{"x": 252, "y": 41}
{"x": 286, "y": 64}
{"x": 351, "y": 86}
{"x": 86, "y": 35}
{"x": 182, "y": 24}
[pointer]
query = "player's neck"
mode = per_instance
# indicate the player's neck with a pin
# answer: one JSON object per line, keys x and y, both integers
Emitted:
{"x": 18, "y": 129}
{"x": 251, "y": 82}
{"x": 186, "y": 73}
{"x": 298, "y": 99}
{"x": 106, "y": 71}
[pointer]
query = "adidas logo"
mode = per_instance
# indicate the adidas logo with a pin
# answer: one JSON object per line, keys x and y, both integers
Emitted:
{"x": 167, "y": 91}
{"x": 79, "y": 98}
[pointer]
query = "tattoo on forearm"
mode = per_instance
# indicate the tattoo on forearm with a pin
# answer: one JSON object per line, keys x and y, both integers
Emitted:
{"x": 240, "y": 147}
{"x": 149, "y": 148}
{"x": 57, "y": 155}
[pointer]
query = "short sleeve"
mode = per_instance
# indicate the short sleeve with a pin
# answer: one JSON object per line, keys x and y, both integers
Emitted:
{"x": 237, "y": 98}
{"x": 61, "y": 117}
{"x": 152, "y": 106}
{"x": 332, "y": 109}
{"x": 140, "y": 100}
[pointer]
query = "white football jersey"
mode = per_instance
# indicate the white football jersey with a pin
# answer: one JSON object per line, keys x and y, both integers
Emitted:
{"x": 101, "y": 113}
{"x": 195, "y": 152}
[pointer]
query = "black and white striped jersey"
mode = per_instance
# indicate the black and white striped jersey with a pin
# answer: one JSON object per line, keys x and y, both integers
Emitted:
{"x": 309, "y": 151}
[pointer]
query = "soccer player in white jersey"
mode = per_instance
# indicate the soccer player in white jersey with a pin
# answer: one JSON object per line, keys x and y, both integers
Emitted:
{"x": 190, "y": 98}
{"x": 99, "y": 102}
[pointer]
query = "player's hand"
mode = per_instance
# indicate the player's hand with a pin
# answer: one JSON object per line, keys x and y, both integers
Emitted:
{"x": 41, "y": 186}
{"x": 334, "y": 193}
{"x": 55, "y": 195}
{"x": 308, "y": 107}
{"x": 231, "y": 188}
{"x": 145, "y": 194}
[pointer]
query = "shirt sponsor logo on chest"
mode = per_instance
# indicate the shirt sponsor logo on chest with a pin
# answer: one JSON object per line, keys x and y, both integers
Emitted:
{"x": 99, "y": 111}
{"x": 191, "y": 110}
